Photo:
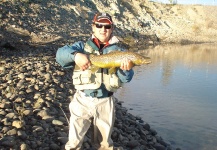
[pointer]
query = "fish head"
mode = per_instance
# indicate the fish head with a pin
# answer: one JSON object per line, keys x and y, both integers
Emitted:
{"x": 142, "y": 60}
{"x": 146, "y": 60}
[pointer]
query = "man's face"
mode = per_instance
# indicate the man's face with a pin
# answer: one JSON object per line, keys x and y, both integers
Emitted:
{"x": 102, "y": 30}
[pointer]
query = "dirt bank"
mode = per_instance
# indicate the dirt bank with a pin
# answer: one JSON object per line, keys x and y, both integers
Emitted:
{"x": 36, "y": 23}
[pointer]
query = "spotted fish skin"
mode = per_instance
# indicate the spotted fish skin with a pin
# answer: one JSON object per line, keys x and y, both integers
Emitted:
{"x": 113, "y": 59}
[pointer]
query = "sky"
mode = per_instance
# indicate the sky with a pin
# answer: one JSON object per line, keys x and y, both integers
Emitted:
{"x": 203, "y": 2}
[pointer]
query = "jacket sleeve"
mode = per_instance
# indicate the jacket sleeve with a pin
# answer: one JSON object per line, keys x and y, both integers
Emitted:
{"x": 64, "y": 55}
{"x": 125, "y": 76}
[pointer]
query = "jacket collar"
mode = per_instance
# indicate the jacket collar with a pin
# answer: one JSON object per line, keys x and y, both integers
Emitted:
{"x": 112, "y": 40}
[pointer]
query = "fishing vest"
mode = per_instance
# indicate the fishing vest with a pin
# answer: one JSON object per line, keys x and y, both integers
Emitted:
{"x": 83, "y": 80}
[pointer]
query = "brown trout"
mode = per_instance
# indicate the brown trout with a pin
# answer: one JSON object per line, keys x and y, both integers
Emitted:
{"x": 113, "y": 60}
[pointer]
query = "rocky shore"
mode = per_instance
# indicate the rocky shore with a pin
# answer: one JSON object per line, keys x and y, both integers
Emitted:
{"x": 34, "y": 99}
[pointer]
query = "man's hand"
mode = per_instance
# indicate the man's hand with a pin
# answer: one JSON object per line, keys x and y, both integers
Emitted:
{"x": 126, "y": 64}
{"x": 82, "y": 61}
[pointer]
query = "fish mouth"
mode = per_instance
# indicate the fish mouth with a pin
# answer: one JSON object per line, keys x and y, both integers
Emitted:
{"x": 147, "y": 61}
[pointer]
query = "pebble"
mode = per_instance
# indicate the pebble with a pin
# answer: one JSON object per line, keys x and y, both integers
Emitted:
{"x": 57, "y": 122}
{"x": 23, "y": 147}
{"x": 21, "y": 76}
{"x": 18, "y": 124}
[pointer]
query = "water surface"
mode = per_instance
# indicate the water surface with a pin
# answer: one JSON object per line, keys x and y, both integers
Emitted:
{"x": 177, "y": 95}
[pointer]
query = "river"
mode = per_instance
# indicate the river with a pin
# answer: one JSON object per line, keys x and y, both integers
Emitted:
{"x": 177, "y": 94}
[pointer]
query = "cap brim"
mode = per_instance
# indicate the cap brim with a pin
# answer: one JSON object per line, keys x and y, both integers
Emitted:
{"x": 104, "y": 20}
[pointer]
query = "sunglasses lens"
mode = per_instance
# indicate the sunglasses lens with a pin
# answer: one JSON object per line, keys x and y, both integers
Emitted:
{"x": 105, "y": 26}
{"x": 98, "y": 25}
{"x": 108, "y": 26}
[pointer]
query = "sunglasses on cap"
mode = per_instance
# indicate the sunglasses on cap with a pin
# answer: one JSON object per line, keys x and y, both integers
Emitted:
{"x": 108, "y": 26}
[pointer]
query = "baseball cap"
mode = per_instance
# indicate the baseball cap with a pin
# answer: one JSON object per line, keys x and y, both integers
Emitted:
{"x": 102, "y": 16}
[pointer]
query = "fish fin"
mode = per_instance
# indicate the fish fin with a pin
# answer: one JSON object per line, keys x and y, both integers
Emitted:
{"x": 94, "y": 69}
{"x": 112, "y": 70}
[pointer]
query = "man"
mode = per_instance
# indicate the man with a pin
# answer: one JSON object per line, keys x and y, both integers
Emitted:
{"x": 94, "y": 97}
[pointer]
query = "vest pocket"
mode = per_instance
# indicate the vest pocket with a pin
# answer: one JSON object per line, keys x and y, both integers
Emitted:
{"x": 82, "y": 78}
{"x": 76, "y": 78}
{"x": 86, "y": 80}
{"x": 114, "y": 81}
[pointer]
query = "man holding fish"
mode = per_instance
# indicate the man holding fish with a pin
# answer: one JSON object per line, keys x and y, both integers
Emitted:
{"x": 94, "y": 102}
